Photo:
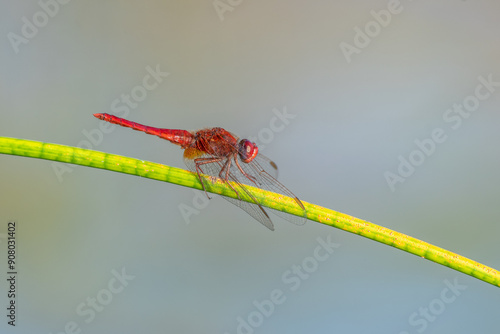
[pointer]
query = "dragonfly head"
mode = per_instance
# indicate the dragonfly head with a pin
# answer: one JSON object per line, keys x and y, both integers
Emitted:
{"x": 247, "y": 150}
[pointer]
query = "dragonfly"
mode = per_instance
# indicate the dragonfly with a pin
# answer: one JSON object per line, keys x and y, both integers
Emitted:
{"x": 218, "y": 153}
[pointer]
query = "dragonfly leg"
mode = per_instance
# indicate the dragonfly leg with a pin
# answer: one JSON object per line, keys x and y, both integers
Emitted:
{"x": 202, "y": 161}
{"x": 227, "y": 168}
{"x": 250, "y": 177}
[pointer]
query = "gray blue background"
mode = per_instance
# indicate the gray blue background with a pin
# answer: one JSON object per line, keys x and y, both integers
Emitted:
{"x": 353, "y": 120}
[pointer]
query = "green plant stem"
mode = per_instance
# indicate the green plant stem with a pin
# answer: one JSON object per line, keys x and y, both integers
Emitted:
{"x": 116, "y": 163}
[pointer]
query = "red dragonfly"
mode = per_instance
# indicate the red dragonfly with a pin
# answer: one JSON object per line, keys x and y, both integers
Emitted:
{"x": 219, "y": 153}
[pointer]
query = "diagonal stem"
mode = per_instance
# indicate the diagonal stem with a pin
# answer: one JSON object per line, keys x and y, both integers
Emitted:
{"x": 116, "y": 163}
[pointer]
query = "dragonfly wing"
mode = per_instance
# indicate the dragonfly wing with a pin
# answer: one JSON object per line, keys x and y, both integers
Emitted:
{"x": 213, "y": 169}
{"x": 267, "y": 165}
{"x": 254, "y": 210}
{"x": 265, "y": 180}
{"x": 260, "y": 172}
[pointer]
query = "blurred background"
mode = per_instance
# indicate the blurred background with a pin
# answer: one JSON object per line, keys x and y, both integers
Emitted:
{"x": 336, "y": 93}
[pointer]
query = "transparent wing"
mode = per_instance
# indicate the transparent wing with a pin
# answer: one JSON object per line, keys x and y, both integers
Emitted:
{"x": 260, "y": 172}
{"x": 214, "y": 169}
{"x": 265, "y": 173}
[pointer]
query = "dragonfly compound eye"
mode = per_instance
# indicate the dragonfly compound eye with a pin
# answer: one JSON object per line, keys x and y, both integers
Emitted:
{"x": 247, "y": 150}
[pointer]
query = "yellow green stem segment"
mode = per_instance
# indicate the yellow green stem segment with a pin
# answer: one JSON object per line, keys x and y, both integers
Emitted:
{"x": 155, "y": 171}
